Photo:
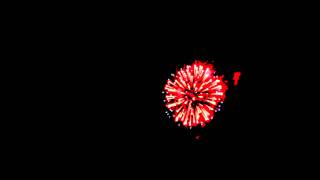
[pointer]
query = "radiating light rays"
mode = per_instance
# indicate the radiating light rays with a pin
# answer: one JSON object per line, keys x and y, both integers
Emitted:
{"x": 193, "y": 94}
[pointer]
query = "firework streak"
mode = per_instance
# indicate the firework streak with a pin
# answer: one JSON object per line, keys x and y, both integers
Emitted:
{"x": 194, "y": 94}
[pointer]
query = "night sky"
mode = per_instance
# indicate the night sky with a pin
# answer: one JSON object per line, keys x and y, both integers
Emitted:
{"x": 125, "y": 81}
{"x": 107, "y": 71}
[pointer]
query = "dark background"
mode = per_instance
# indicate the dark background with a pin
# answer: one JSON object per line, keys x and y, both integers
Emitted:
{"x": 126, "y": 103}
{"x": 123, "y": 85}
{"x": 100, "y": 105}
{"x": 119, "y": 72}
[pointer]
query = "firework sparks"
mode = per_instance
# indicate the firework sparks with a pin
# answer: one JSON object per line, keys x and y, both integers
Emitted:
{"x": 194, "y": 94}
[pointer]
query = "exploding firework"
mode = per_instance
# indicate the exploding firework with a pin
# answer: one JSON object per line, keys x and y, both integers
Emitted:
{"x": 195, "y": 94}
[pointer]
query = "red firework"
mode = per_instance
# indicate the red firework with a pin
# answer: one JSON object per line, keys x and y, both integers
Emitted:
{"x": 194, "y": 94}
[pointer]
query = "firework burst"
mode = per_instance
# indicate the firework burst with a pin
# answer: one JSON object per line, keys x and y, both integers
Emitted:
{"x": 194, "y": 94}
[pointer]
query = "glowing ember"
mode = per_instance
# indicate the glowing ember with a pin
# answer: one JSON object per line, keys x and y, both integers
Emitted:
{"x": 194, "y": 94}
{"x": 236, "y": 77}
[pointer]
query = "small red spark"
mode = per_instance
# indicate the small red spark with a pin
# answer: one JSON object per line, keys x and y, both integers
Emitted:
{"x": 236, "y": 77}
